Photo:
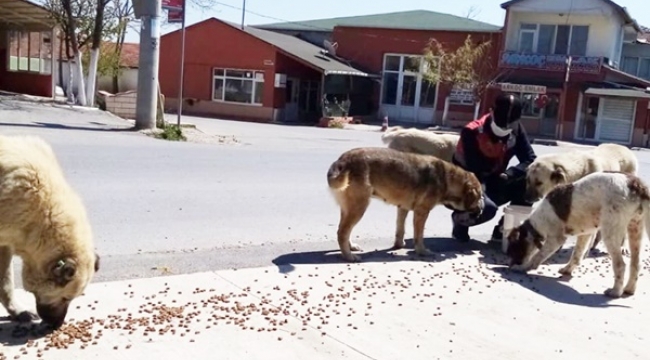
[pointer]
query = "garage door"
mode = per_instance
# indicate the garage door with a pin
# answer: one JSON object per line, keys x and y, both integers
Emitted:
{"x": 616, "y": 120}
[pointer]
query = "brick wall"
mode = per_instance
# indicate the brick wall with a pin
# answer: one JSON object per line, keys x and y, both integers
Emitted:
{"x": 122, "y": 105}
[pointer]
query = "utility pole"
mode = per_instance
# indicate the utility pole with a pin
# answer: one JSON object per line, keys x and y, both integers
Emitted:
{"x": 181, "y": 83}
{"x": 147, "y": 99}
{"x": 243, "y": 14}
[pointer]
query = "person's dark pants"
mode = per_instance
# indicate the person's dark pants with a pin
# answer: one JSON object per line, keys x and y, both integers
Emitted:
{"x": 497, "y": 193}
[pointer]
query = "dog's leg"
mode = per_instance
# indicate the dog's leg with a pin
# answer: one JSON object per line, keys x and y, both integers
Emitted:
{"x": 399, "y": 230}
{"x": 419, "y": 219}
{"x": 350, "y": 216}
{"x": 635, "y": 236}
{"x": 16, "y": 312}
{"x": 596, "y": 241}
{"x": 611, "y": 232}
{"x": 550, "y": 247}
{"x": 578, "y": 254}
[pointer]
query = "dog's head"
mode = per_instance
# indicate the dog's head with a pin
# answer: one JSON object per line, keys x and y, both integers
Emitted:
{"x": 523, "y": 241}
{"x": 468, "y": 196}
{"x": 541, "y": 178}
{"x": 60, "y": 272}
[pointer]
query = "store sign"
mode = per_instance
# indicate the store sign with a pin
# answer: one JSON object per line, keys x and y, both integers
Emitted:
{"x": 579, "y": 64}
{"x": 519, "y": 88}
{"x": 461, "y": 94}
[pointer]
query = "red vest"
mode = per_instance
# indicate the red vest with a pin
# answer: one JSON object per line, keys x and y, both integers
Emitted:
{"x": 491, "y": 149}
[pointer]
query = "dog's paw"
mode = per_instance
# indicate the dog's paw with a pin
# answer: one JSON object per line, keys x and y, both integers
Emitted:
{"x": 567, "y": 270}
{"x": 520, "y": 268}
{"x": 351, "y": 257}
{"x": 614, "y": 293}
{"x": 629, "y": 289}
{"x": 23, "y": 316}
{"x": 355, "y": 247}
{"x": 423, "y": 251}
{"x": 399, "y": 244}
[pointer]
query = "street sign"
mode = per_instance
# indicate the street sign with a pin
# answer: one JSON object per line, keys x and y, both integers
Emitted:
{"x": 172, "y": 4}
{"x": 174, "y": 16}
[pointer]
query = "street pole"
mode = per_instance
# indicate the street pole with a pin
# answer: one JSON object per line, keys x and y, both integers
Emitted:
{"x": 563, "y": 99}
{"x": 147, "y": 98}
{"x": 182, "y": 70}
{"x": 243, "y": 14}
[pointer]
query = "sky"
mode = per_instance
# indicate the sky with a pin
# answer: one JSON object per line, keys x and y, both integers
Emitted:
{"x": 270, "y": 11}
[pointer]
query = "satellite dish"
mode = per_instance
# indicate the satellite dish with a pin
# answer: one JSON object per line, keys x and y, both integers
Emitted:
{"x": 331, "y": 48}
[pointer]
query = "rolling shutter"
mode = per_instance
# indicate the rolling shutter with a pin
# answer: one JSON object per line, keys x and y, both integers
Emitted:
{"x": 616, "y": 120}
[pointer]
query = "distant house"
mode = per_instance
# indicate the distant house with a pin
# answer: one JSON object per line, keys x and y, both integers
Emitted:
{"x": 282, "y": 72}
{"x": 128, "y": 79}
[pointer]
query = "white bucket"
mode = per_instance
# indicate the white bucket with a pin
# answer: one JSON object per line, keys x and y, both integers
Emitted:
{"x": 513, "y": 216}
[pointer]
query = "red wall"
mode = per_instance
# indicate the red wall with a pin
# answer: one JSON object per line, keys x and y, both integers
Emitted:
{"x": 23, "y": 82}
{"x": 211, "y": 44}
{"x": 367, "y": 46}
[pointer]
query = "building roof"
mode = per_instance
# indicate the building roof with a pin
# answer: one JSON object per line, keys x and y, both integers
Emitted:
{"x": 130, "y": 56}
{"x": 23, "y": 14}
{"x": 620, "y": 9}
{"x": 406, "y": 20}
{"x": 302, "y": 51}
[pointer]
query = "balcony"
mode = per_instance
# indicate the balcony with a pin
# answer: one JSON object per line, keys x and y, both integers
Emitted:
{"x": 547, "y": 62}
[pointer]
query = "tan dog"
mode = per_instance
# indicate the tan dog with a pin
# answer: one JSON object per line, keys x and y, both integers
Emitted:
{"x": 409, "y": 181}
{"x": 424, "y": 142}
{"x": 616, "y": 203}
{"x": 550, "y": 170}
{"x": 43, "y": 221}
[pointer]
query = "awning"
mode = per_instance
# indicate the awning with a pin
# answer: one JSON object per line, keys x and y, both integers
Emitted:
{"x": 24, "y": 15}
{"x": 629, "y": 93}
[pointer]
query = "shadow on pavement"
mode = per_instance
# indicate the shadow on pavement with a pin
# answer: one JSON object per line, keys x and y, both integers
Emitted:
{"x": 66, "y": 127}
{"x": 17, "y": 334}
{"x": 553, "y": 288}
{"x": 443, "y": 248}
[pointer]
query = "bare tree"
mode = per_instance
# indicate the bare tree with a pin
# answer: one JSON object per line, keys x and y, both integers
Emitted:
{"x": 96, "y": 36}
{"x": 473, "y": 12}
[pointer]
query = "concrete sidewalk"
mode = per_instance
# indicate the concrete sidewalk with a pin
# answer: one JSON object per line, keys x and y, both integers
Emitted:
{"x": 451, "y": 306}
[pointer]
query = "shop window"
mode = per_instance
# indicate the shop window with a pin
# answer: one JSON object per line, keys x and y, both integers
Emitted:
{"x": 238, "y": 86}
{"x": 29, "y": 52}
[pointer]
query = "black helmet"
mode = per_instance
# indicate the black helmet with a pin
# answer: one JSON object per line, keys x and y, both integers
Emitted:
{"x": 507, "y": 109}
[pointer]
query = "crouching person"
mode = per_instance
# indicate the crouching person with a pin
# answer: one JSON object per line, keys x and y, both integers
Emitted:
{"x": 485, "y": 148}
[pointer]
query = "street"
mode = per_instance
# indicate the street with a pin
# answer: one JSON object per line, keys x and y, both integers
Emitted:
{"x": 238, "y": 242}
{"x": 187, "y": 207}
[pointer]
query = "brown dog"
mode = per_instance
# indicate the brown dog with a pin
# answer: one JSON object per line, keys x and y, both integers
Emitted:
{"x": 409, "y": 181}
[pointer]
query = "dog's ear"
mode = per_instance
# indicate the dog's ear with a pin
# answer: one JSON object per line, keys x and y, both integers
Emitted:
{"x": 96, "y": 262}
{"x": 62, "y": 271}
{"x": 558, "y": 175}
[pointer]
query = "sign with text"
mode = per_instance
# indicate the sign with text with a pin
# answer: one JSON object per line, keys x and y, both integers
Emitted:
{"x": 579, "y": 64}
{"x": 174, "y": 16}
{"x": 522, "y": 88}
{"x": 172, "y": 4}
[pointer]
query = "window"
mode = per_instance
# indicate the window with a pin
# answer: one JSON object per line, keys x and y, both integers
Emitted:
{"x": 238, "y": 86}
{"x": 29, "y": 51}
{"x": 402, "y": 77}
{"x": 636, "y": 66}
{"x": 553, "y": 39}
{"x": 390, "y": 82}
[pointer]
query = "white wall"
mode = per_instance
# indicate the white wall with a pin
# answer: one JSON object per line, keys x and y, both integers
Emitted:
{"x": 127, "y": 81}
{"x": 603, "y": 21}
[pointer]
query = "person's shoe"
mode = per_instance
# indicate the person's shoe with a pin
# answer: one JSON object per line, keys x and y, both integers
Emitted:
{"x": 460, "y": 233}
{"x": 497, "y": 233}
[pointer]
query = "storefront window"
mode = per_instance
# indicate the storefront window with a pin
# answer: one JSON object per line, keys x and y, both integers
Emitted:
{"x": 238, "y": 86}
{"x": 529, "y": 105}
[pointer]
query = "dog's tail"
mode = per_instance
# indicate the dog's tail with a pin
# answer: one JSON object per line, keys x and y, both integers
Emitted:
{"x": 390, "y": 134}
{"x": 338, "y": 176}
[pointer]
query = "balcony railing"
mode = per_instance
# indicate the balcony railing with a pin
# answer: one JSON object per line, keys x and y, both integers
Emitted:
{"x": 555, "y": 63}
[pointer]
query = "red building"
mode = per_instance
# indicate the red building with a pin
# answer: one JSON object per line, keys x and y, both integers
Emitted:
{"x": 567, "y": 70}
{"x": 282, "y": 72}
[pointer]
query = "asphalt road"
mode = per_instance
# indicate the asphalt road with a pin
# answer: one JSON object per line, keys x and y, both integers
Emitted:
{"x": 165, "y": 207}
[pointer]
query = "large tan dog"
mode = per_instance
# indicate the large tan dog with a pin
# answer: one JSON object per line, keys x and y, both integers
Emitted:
{"x": 43, "y": 221}
{"x": 550, "y": 170}
{"x": 616, "y": 203}
{"x": 409, "y": 181}
{"x": 424, "y": 142}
